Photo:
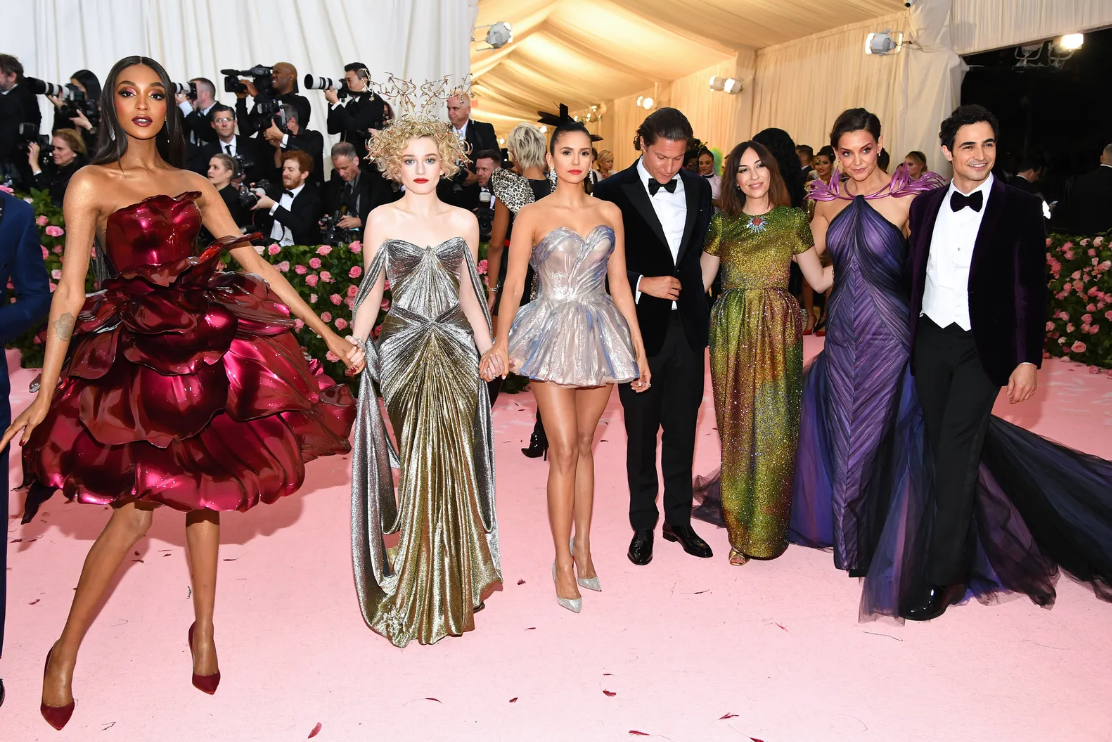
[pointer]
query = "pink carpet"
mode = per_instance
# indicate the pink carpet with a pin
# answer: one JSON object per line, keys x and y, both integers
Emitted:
{"x": 682, "y": 650}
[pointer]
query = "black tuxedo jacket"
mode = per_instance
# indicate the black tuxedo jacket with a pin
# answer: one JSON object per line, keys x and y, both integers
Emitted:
{"x": 352, "y": 120}
{"x": 1007, "y": 276}
{"x": 251, "y": 122}
{"x": 372, "y": 192}
{"x": 302, "y": 218}
{"x": 480, "y": 135}
{"x": 1091, "y": 203}
{"x": 256, "y": 158}
{"x": 200, "y": 126}
{"x": 647, "y": 254}
{"x": 312, "y": 142}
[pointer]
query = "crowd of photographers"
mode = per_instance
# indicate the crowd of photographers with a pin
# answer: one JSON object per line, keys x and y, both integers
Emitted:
{"x": 262, "y": 154}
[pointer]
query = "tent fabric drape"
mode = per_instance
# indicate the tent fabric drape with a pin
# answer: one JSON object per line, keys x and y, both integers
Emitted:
{"x": 418, "y": 39}
{"x": 983, "y": 25}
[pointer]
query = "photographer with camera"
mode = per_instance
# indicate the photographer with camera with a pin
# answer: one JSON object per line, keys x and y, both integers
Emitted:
{"x": 53, "y": 165}
{"x": 358, "y": 114}
{"x": 270, "y": 87}
{"x": 223, "y": 170}
{"x": 82, "y": 110}
{"x": 291, "y": 216}
{"x": 463, "y": 190}
{"x": 485, "y": 163}
{"x": 196, "y": 106}
{"x": 349, "y": 196}
{"x": 17, "y": 107}
{"x": 254, "y": 158}
{"x": 285, "y": 134}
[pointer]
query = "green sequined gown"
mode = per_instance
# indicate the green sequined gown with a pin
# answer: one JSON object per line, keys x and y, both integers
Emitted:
{"x": 756, "y": 363}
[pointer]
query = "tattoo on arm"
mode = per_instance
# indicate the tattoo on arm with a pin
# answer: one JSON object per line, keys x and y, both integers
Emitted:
{"x": 63, "y": 327}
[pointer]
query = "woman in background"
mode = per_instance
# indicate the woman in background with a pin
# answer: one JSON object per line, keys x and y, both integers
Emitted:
{"x": 67, "y": 158}
{"x": 706, "y": 169}
{"x": 605, "y": 164}
{"x": 823, "y": 163}
{"x": 89, "y": 84}
{"x": 916, "y": 163}
{"x": 222, "y": 170}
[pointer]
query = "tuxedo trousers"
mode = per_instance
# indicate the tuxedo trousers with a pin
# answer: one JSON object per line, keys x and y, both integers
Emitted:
{"x": 5, "y": 421}
{"x": 670, "y": 404}
{"x": 957, "y": 398}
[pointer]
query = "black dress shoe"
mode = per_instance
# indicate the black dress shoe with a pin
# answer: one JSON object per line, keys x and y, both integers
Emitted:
{"x": 1, "y": 692}
{"x": 641, "y": 547}
{"x": 686, "y": 535}
{"x": 934, "y": 601}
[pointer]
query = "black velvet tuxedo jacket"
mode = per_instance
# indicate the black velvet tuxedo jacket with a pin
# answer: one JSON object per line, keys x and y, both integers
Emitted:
{"x": 647, "y": 254}
{"x": 1007, "y": 276}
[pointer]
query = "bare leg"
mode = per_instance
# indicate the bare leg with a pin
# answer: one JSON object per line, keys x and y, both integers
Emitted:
{"x": 202, "y": 535}
{"x": 589, "y": 404}
{"x": 558, "y": 411}
{"x": 128, "y": 524}
{"x": 808, "y": 304}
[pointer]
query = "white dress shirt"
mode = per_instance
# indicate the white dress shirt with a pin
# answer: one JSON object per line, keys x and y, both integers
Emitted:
{"x": 946, "y": 294}
{"x": 279, "y": 232}
{"x": 671, "y": 210}
{"x": 462, "y": 132}
{"x": 228, "y": 148}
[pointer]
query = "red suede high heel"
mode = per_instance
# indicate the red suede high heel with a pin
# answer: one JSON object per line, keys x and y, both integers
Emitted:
{"x": 203, "y": 683}
{"x": 56, "y": 716}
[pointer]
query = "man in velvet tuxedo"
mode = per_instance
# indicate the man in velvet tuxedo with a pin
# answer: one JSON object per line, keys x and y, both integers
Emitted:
{"x": 978, "y": 319}
{"x": 666, "y": 211}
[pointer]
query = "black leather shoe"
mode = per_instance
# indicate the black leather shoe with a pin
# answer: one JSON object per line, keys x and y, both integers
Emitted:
{"x": 1, "y": 692}
{"x": 933, "y": 602}
{"x": 690, "y": 540}
{"x": 641, "y": 547}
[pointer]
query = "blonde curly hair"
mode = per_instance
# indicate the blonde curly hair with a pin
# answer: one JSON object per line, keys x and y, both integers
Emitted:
{"x": 387, "y": 146}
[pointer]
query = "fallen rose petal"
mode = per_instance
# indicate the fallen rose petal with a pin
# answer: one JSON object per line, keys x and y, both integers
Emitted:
{"x": 315, "y": 732}
{"x": 521, "y": 582}
{"x": 609, "y": 693}
{"x": 727, "y": 716}
{"x": 36, "y": 600}
{"x": 513, "y": 700}
{"x": 433, "y": 699}
{"x": 635, "y": 733}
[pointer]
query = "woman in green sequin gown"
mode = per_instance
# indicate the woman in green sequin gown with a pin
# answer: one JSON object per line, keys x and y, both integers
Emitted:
{"x": 756, "y": 348}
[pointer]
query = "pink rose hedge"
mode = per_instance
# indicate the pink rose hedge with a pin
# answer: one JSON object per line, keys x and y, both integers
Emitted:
{"x": 1079, "y": 323}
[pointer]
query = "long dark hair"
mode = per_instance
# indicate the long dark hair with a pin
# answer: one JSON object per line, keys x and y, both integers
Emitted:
{"x": 90, "y": 81}
{"x": 733, "y": 198}
{"x": 779, "y": 144}
{"x": 112, "y": 142}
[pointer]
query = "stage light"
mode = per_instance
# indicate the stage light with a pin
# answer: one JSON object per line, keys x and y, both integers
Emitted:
{"x": 647, "y": 104}
{"x": 1071, "y": 42}
{"x": 882, "y": 42}
{"x": 544, "y": 129}
{"x": 717, "y": 83}
{"x": 733, "y": 87}
{"x": 501, "y": 140}
{"x": 498, "y": 35}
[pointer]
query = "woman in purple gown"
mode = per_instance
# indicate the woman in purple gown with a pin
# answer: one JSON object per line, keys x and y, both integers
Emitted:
{"x": 862, "y": 471}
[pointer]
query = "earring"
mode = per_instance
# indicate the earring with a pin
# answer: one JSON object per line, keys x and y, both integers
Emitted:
{"x": 111, "y": 134}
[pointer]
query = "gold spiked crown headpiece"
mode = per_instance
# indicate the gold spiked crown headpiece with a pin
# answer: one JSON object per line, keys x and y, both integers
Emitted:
{"x": 418, "y": 109}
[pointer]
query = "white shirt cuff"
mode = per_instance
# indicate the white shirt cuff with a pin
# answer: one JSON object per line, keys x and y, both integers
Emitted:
{"x": 637, "y": 290}
{"x": 274, "y": 208}
{"x": 337, "y": 104}
{"x": 285, "y": 140}
{"x": 1026, "y": 363}
{"x": 186, "y": 108}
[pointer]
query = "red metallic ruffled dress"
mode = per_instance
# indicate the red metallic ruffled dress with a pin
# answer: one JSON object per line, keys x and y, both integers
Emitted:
{"x": 185, "y": 385}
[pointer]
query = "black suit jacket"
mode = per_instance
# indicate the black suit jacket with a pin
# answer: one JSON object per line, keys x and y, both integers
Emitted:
{"x": 256, "y": 158}
{"x": 1007, "y": 276}
{"x": 372, "y": 192}
{"x": 352, "y": 120}
{"x": 19, "y": 106}
{"x": 200, "y": 126}
{"x": 312, "y": 142}
{"x": 251, "y": 122}
{"x": 1091, "y": 203}
{"x": 302, "y": 218}
{"x": 647, "y": 254}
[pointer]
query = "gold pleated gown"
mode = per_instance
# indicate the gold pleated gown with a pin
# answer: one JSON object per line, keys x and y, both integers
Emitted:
{"x": 427, "y": 368}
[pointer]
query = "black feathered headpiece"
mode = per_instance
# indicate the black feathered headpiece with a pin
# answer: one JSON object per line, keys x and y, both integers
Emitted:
{"x": 561, "y": 119}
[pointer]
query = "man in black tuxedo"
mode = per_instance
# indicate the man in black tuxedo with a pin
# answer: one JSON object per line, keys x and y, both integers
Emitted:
{"x": 464, "y": 188}
{"x": 1091, "y": 200}
{"x": 359, "y": 115}
{"x": 283, "y": 89}
{"x": 296, "y": 137}
{"x": 352, "y": 190}
{"x": 291, "y": 215}
{"x": 256, "y": 160}
{"x": 666, "y": 212}
{"x": 978, "y": 321}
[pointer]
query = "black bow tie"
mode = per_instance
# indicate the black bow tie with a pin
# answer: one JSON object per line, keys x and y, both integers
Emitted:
{"x": 655, "y": 185}
{"x": 975, "y": 201}
{"x": 288, "y": 193}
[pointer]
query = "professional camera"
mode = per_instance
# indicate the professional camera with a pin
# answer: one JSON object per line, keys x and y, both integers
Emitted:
{"x": 314, "y": 82}
{"x": 76, "y": 102}
{"x": 333, "y": 234}
{"x": 38, "y": 87}
{"x": 247, "y": 196}
{"x": 189, "y": 88}
{"x": 260, "y": 75}
{"x": 27, "y": 135}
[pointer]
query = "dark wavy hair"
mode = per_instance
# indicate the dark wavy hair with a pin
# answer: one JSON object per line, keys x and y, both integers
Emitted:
{"x": 963, "y": 116}
{"x": 780, "y": 145}
{"x": 664, "y": 123}
{"x": 828, "y": 152}
{"x": 112, "y": 142}
{"x": 854, "y": 119}
{"x": 733, "y": 198}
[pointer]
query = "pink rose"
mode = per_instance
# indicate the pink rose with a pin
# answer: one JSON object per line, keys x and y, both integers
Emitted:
{"x": 386, "y": 285}
{"x": 57, "y": 250}
{"x": 56, "y": 274}
{"x": 273, "y": 249}
{"x": 259, "y": 249}
{"x": 352, "y": 290}
{"x": 1094, "y": 370}
{"x": 1078, "y": 286}
{"x": 312, "y": 298}
{"x": 1049, "y": 326}
{"x": 45, "y": 252}
{"x": 1095, "y": 261}
{"x": 1067, "y": 245}
{"x": 326, "y": 276}
{"x": 1092, "y": 252}
{"x": 355, "y": 272}
{"x": 298, "y": 324}
{"x": 324, "y": 250}
{"x": 1091, "y": 308}
{"x": 326, "y": 317}
{"x": 52, "y": 286}
{"x": 1076, "y": 275}
{"x": 1084, "y": 329}
{"x": 1069, "y": 254}
{"x": 1085, "y": 242}
{"x": 1069, "y": 327}
{"x": 300, "y": 270}
{"x": 376, "y": 332}
{"x": 312, "y": 279}
{"x": 356, "y": 247}
{"x": 41, "y": 220}
{"x": 53, "y": 231}
{"x": 341, "y": 324}
{"x": 331, "y": 356}
{"x": 350, "y": 302}
{"x": 1108, "y": 315}
{"x": 1106, "y": 265}
{"x": 283, "y": 267}
{"x": 482, "y": 267}
{"x": 1094, "y": 329}
{"x": 336, "y": 299}
{"x": 386, "y": 305}
{"x": 6, "y": 189}
{"x": 314, "y": 263}
{"x": 1078, "y": 347}
{"x": 1098, "y": 241}
{"x": 1086, "y": 318}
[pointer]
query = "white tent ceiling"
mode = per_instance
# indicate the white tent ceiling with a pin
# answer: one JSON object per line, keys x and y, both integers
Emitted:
{"x": 584, "y": 52}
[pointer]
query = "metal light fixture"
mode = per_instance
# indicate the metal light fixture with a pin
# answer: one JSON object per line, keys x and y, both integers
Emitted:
{"x": 725, "y": 85}
{"x": 884, "y": 42}
{"x": 1071, "y": 42}
{"x": 498, "y": 35}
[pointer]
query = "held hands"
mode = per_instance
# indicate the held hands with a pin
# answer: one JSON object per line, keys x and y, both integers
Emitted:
{"x": 351, "y": 354}
{"x": 1022, "y": 383}
{"x": 662, "y": 287}
{"x": 27, "y": 421}
{"x": 495, "y": 362}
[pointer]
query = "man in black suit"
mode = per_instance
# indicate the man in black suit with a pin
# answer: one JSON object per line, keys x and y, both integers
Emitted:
{"x": 479, "y": 136}
{"x": 291, "y": 215}
{"x": 197, "y": 113}
{"x": 1027, "y": 175}
{"x": 351, "y": 190}
{"x": 256, "y": 160}
{"x": 359, "y": 115}
{"x": 21, "y": 262}
{"x": 1091, "y": 200}
{"x": 18, "y": 105}
{"x": 283, "y": 89}
{"x": 666, "y": 212}
{"x": 978, "y": 321}
{"x": 293, "y": 136}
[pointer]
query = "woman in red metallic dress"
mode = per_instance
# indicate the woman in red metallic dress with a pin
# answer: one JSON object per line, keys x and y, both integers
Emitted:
{"x": 184, "y": 385}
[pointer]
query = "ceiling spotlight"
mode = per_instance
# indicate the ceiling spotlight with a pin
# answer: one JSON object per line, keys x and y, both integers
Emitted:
{"x": 498, "y": 35}
{"x": 501, "y": 140}
{"x": 1071, "y": 42}
{"x": 544, "y": 129}
{"x": 718, "y": 83}
{"x": 647, "y": 104}
{"x": 883, "y": 42}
